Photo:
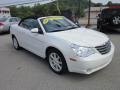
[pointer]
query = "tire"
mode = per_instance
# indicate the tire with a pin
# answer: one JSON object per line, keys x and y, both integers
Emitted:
{"x": 100, "y": 28}
{"x": 115, "y": 20}
{"x": 98, "y": 23}
{"x": 97, "y": 26}
{"x": 56, "y": 61}
{"x": 15, "y": 43}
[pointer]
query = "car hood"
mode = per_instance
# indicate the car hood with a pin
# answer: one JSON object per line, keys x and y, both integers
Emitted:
{"x": 82, "y": 36}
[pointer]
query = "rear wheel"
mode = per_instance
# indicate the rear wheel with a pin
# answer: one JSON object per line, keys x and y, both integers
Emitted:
{"x": 116, "y": 20}
{"x": 57, "y": 61}
{"x": 15, "y": 43}
{"x": 100, "y": 28}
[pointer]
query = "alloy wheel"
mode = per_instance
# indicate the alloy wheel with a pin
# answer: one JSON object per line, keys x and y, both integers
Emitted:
{"x": 55, "y": 62}
{"x": 116, "y": 20}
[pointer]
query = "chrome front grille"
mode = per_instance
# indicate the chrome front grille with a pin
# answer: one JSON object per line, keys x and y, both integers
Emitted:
{"x": 104, "y": 49}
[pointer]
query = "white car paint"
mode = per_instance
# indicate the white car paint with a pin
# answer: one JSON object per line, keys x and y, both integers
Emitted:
{"x": 82, "y": 37}
{"x": 38, "y": 43}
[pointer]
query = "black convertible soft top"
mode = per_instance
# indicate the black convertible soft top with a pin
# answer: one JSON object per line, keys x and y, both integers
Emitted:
{"x": 33, "y": 17}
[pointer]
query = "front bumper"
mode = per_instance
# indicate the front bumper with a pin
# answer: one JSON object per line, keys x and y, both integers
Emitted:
{"x": 90, "y": 64}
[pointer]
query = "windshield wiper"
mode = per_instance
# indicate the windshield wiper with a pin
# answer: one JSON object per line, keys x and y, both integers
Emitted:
{"x": 72, "y": 28}
{"x": 57, "y": 30}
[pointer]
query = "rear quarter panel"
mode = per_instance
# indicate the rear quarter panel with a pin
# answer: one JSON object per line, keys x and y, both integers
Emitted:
{"x": 14, "y": 30}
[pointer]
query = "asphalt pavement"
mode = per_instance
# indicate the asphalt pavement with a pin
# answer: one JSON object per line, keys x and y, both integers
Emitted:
{"x": 22, "y": 70}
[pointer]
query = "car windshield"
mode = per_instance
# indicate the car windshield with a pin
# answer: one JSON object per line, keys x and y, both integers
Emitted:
{"x": 3, "y": 19}
{"x": 57, "y": 23}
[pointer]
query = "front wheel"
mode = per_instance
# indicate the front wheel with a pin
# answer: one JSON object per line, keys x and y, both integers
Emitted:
{"x": 100, "y": 28}
{"x": 57, "y": 62}
{"x": 15, "y": 43}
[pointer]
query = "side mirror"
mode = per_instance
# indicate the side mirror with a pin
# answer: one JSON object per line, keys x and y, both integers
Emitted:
{"x": 34, "y": 30}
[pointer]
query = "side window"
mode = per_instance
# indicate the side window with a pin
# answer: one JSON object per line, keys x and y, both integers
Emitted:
{"x": 29, "y": 24}
{"x": 24, "y": 24}
{"x": 18, "y": 19}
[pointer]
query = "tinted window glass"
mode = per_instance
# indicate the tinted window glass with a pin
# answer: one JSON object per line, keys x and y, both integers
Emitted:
{"x": 30, "y": 24}
{"x": 110, "y": 12}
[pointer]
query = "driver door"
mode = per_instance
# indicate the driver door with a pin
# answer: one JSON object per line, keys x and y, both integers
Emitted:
{"x": 33, "y": 42}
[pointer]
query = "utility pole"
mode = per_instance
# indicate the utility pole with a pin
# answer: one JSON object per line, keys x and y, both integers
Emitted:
{"x": 89, "y": 9}
{"x": 58, "y": 8}
{"x": 78, "y": 12}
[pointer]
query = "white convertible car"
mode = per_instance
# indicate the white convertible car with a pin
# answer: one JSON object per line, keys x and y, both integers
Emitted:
{"x": 66, "y": 46}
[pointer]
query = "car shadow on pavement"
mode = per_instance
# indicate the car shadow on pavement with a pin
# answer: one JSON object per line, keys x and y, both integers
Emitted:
{"x": 109, "y": 31}
{"x": 37, "y": 58}
{"x": 1, "y": 34}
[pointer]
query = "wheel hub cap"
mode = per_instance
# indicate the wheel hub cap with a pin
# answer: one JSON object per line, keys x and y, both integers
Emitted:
{"x": 116, "y": 20}
{"x": 55, "y": 61}
{"x": 15, "y": 43}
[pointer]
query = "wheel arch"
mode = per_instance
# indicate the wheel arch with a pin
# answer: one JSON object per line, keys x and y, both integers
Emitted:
{"x": 54, "y": 48}
{"x": 13, "y": 35}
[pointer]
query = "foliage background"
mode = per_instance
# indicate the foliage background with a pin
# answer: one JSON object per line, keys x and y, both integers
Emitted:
{"x": 76, "y": 6}
{"x": 49, "y": 9}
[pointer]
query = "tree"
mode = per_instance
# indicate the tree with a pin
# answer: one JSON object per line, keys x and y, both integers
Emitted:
{"x": 77, "y": 6}
{"x": 98, "y": 4}
{"x": 109, "y": 3}
{"x": 13, "y": 11}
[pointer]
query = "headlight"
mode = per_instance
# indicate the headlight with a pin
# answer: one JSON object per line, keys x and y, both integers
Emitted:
{"x": 82, "y": 51}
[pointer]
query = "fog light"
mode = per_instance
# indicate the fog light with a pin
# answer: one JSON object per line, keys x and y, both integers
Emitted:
{"x": 73, "y": 59}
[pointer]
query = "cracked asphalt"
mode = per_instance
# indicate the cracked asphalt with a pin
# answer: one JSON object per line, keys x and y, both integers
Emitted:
{"x": 22, "y": 70}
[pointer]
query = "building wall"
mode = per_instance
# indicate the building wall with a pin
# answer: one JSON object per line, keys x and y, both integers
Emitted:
{"x": 5, "y": 12}
{"x": 93, "y": 14}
